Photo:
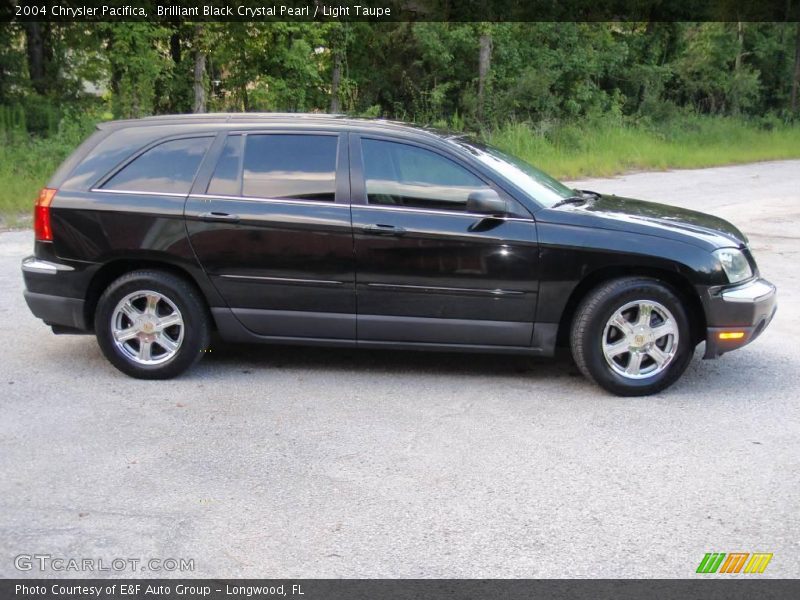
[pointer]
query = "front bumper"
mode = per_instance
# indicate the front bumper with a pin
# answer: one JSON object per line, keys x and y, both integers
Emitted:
{"x": 745, "y": 310}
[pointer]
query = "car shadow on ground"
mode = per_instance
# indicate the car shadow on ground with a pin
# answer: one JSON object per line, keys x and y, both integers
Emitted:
{"x": 732, "y": 373}
{"x": 253, "y": 356}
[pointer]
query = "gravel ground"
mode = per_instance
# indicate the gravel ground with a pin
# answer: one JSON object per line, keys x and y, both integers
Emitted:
{"x": 267, "y": 461}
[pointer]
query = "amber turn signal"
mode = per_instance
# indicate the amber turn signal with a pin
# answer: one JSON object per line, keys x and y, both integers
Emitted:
{"x": 731, "y": 335}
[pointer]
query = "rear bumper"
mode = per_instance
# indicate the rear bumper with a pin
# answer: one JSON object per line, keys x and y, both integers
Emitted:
{"x": 741, "y": 314}
{"x": 48, "y": 292}
{"x": 56, "y": 310}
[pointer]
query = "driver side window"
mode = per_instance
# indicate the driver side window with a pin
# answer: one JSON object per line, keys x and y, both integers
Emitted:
{"x": 398, "y": 174}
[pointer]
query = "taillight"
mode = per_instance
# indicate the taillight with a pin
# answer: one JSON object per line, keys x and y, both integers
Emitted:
{"x": 41, "y": 215}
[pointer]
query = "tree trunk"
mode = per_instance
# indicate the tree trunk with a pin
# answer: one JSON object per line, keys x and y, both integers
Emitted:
{"x": 737, "y": 65}
{"x": 337, "y": 76}
{"x": 175, "y": 46}
{"x": 115, "y": 77}
{"x": 793, "y": 103}
{"x": 34, "y": 45}
{"x": 199, "y": 71}
{"x": 739, "y": 46}
{"x": 245, "y": 99}
{"x": 484, "y": 63}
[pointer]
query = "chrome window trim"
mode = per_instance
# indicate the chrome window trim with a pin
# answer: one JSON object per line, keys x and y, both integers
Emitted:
{"x": 348, "y": 205}
{"x": 435, "y": 211}
{"x": 131, "y": 192}
{"x": 313, "y": 203}
{"x": 284, "y": 279}
{"x": 272, "y": 200}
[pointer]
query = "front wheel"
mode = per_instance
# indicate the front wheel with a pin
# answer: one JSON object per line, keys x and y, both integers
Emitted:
{"x": 151, "y": 324}
{"x": 632, "y": 337}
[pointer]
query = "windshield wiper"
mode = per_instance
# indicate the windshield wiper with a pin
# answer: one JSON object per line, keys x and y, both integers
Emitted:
{"x": 581, "y": 197}
{"x": 570, "y": 200}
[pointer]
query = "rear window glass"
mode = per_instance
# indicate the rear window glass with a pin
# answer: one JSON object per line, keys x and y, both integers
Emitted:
{"x": 282, "y": 166}
{"x": 169, "y": 168}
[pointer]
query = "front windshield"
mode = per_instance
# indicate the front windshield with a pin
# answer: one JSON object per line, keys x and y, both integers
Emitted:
{"x": 538, "y": 184}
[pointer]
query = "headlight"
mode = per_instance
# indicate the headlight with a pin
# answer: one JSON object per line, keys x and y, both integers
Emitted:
{"x": 734, "y": 263}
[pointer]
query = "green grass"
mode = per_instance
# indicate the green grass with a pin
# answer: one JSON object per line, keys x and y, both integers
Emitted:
{"x": 24, "y": 169}
{"x": 567, "y": 151}
{"x": 27, "y": 162}
{"x": 596, "y": 150}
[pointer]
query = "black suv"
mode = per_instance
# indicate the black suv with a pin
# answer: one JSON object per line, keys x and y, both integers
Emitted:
{"x": 316, "y": 229}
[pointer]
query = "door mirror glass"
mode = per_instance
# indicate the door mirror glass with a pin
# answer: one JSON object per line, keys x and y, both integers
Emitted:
{"x": 486, "y": 202}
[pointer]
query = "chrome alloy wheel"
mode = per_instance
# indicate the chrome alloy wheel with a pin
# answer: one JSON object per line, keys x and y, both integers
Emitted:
{"x": 640, "y": 339}
{"x": 147, "y": 327}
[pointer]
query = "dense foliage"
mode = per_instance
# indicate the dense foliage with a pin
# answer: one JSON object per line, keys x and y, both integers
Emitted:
{"x": 424, "y": 72}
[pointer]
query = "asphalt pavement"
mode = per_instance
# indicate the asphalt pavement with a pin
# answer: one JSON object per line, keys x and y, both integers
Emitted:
{"x": 297, "y": 462}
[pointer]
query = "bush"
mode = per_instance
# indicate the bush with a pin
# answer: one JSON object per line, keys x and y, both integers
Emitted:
{"x": 26, "y": 161}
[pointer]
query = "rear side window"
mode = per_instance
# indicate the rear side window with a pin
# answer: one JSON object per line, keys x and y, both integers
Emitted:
{"x": 169, "y": 168}
{"x": 226, "y": 180}
{"x": 278, "y": 166}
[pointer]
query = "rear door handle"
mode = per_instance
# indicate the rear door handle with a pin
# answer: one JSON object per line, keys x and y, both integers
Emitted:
{"x": 379, "y": 229}
{"x": 219, "y": 216}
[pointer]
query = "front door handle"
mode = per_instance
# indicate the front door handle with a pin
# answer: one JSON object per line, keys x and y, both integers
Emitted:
{"x": 219, "y": 216}
{"x": 379, "y": 229}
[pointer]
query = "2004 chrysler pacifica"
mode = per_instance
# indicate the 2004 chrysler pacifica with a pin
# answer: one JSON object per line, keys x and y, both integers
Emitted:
{"x": 317, "y": 229}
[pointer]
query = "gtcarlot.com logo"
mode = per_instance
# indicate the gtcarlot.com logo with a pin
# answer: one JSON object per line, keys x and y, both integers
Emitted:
{"x": 734, "y": 562}
{"x": 60, "y": 564}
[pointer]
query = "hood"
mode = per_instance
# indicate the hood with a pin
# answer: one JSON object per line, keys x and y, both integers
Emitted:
{"x": 651, "y": 218}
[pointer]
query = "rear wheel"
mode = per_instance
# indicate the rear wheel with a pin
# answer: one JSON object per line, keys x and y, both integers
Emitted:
{"x": 632, "y": 336}
{"x": 151, "y": 324}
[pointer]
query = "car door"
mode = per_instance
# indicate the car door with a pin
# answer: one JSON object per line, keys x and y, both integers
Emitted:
{"x": 428, "y": 271}
{"x": 270, "y": 224}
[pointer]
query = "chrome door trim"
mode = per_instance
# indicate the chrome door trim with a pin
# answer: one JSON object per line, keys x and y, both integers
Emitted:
{"x": 446, "y": 290}
{"x": 284, "y": 279}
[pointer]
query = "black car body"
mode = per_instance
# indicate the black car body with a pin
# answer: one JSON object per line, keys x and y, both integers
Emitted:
{"x": 326, "y": 230}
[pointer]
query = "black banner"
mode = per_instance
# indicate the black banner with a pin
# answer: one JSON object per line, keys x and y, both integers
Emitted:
{"x": 399, "y": 589}
{"x": 400, "y": 10}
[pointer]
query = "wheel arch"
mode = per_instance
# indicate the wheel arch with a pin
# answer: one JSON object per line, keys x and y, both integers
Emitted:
{"x": 677, "y": 282}
{"x": 114, "y": 269}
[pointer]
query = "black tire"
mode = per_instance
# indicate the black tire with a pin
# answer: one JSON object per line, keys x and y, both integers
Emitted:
{"x": 191, "y": 309}
{"x": 589, "y": 327}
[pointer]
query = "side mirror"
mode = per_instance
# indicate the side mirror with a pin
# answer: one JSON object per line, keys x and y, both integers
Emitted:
{"x": 486, "y": 202}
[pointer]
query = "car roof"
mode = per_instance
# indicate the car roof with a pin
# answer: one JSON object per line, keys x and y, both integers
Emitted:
{"x": 289, "y": 120}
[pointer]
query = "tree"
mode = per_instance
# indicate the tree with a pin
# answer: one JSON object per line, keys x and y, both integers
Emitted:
{"x": 445, "y": 73}
{"x": 199, "y": 87}
{"x": 12, "y": 61}
{"x": 484, "y": 63}
{"x": 135, "y": 63}
{"x": 39, "y": 54}
{"x": 793, "y": 104}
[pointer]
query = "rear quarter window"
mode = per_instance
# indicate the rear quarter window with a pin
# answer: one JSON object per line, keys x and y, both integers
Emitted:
{"x": 169, "y": 167}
